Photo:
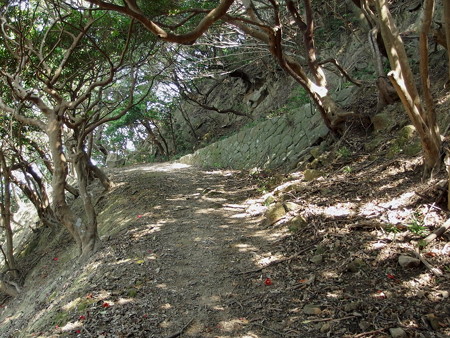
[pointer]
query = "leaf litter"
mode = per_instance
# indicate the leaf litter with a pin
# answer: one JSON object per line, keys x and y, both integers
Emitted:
{"x": 184, "y": 254}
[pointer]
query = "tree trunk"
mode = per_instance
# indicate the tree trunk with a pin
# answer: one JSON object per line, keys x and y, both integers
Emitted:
{"x": 98, "y": 173}
{"x": 324, "y": 102}
{"x": 153, "y": 136}
{"x": 172, "y": 133}
{"x": 402, "y": 79}
{"x": 163, "y": 140}
{"x": 446, "y": 20}
{"x": 83, "y": 231}
{"x": 273, "y": 37}
{"x": 5, "y": 208}
{"x": 429, "y": 108}
{"x": 45, "y": 212}
{"x": 60, "y": 207}
{"x": 88, "y": 232}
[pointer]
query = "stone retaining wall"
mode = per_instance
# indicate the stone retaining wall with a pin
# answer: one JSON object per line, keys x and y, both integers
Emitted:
{"x": 278, "y": 142}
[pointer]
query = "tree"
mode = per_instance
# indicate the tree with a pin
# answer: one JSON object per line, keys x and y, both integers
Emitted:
{"x": 422, "y": 116}
{"x": 11, "y": 289}
{"x": 60, "y": 65}
{"x": 265, "y": 23}
{"x": 5, "y": 210}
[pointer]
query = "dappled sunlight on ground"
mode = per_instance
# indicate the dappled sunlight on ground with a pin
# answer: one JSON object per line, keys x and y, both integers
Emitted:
{"x": 155, "y": 167}
{"x": 188, "y": 251}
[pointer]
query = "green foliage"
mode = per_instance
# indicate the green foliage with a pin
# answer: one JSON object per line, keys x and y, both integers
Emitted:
{"x": 127, "y": 134}
{"x": 132, "y": 293}
{"x": 416, "y": 224}
{"x": 392, "y": 229}
{"x": 293, "y": 228}
{"x": 418, "y": 229}
{"x": 422, "y": 244}
{"x": 347, "y": 169}
{"x": 344, "y": 152}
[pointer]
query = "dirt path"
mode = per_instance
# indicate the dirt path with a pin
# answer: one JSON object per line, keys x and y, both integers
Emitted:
{"x": 183, "y": 257}
{"x": 181, "y": 254}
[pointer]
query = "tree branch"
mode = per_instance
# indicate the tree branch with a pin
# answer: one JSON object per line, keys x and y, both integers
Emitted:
{"x": 188, "y": 38}
{"x": 341, "y": 69}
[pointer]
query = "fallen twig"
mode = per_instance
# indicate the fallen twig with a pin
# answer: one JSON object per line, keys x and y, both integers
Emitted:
{"x": 436, "y": 271}
{"x": 179, "y": 333}
{"x": 234, "y": 206}
{"x": 329, "y": 319}
{"x": 368, "y": 333}
{"x": 438, "y": 232}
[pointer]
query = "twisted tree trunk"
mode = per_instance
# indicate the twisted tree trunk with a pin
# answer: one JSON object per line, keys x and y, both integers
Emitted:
{"x": 60, "y": 207}
{"x": 88, "y": 233}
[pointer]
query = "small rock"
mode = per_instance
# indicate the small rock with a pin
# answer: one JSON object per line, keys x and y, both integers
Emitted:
{"x": 444, "y": 294}
{"x": 351, "y": 306}
{"x": 297, "y": 223}
{"x": 397, "y": 332}
{"x": 256, "y": 210}
{"x": 291, "y": 206}
{"x": 408, "y": 262}
{"x": 314, "y": 164}
{"x": 364, "y": 325}
{"x": 327, "y": 159}
{"x": 275, "y": 213}
{"x": 433, "y": 321}
{"x": 316, "y": 151}
{"x": 317, "y": 259}
{"x": 269, "y": 200}
{"x": 383, "y": 122}
{"x": 407, "y": 133}
{"x": 325, "y": 328}
{"x": 320, "y": 249}
{"x": 311, "y": 309}
{"x": 312, "y": 174}
{"x": 420, "y": 293}
{"x": 290, "y": 187}
{"x": 113, "y": 160}
{"x": 356, "y": 265}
